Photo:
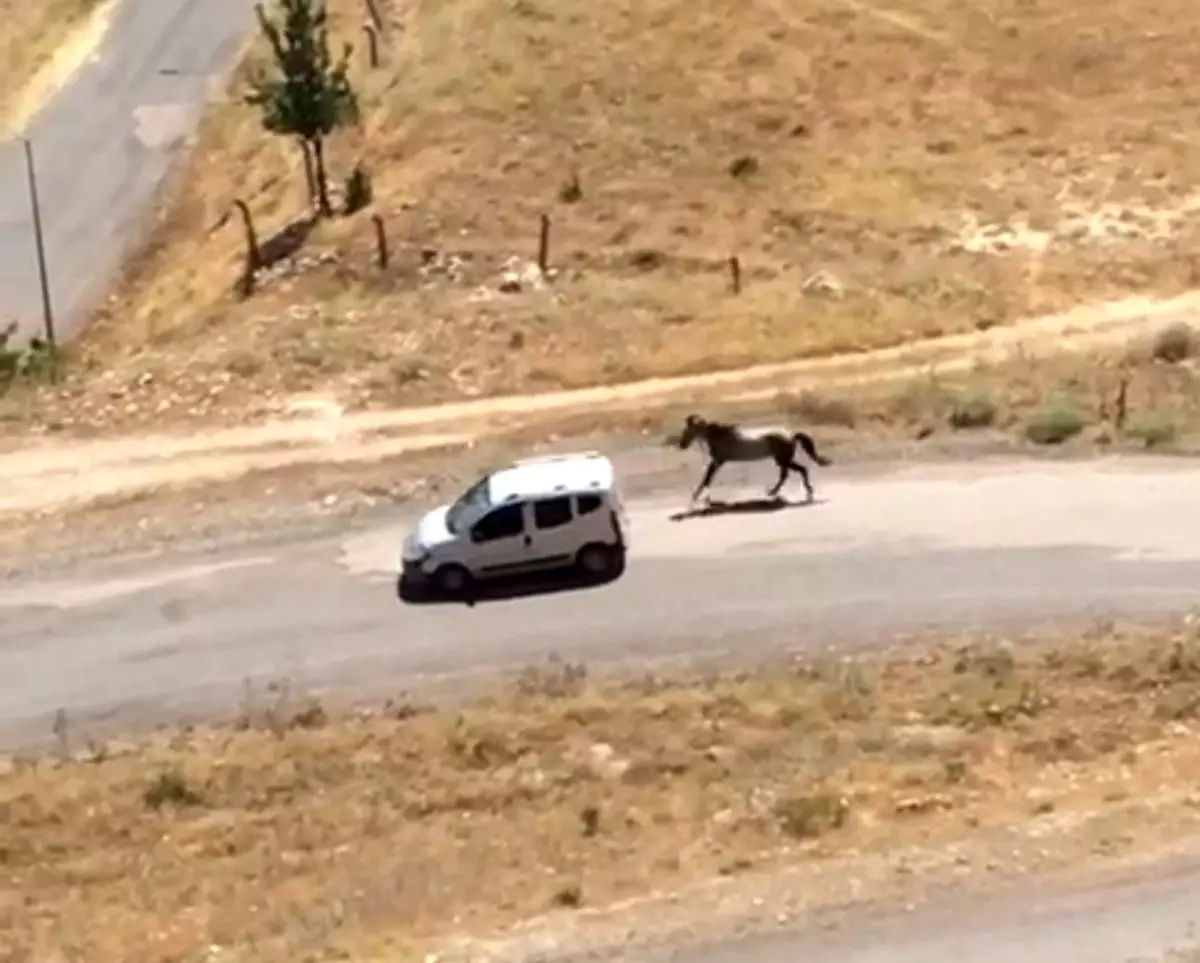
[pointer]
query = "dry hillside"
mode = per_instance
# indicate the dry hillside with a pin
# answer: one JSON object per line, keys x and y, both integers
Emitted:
{"x": 39, "y": 43}
{"x": 881, "y": 172}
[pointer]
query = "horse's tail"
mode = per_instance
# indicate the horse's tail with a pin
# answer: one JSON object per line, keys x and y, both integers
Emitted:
{"x": 810, "y": 448}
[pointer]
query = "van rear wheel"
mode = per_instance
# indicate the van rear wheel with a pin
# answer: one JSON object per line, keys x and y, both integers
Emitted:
{"x": 452, "y": 580}
{"x": 598, "y": 561}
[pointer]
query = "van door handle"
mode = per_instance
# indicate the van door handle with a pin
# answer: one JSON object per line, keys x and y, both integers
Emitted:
{"x": 528, "y": 541}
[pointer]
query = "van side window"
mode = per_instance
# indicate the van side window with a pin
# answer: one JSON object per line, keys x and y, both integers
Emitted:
{"x": 504, "y": 522}
{"x": 552, "y": 513}
{"x": 588, "y": 503}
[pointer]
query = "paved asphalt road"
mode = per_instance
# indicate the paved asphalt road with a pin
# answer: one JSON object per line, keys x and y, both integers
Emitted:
{"x": 103, "y": 146}
{"x": 898, "y": 550}
{"x": 1141, "y": 917}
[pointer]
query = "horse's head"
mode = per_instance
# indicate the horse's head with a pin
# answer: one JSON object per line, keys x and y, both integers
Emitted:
{"x": 693, "y": 428}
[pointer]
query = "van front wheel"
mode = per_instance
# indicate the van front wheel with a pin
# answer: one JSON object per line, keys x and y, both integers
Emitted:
{"x": 452, "y": 580}
{"x": 598, "y": 561}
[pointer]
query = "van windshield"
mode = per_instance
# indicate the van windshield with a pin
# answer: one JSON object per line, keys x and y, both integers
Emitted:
{"x": 470, "y": 506}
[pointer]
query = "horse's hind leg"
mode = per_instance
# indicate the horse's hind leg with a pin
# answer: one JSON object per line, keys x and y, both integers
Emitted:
{"x": 709, "y": 475}
{"x": 803, "y": 472}
{"x": 783, "y": 473}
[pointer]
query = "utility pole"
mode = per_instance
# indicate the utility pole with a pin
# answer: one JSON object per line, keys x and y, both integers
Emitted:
{"x": 40, "y": 244}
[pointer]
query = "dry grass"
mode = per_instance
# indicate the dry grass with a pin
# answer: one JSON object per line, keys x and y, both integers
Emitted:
{"x": 1124, "y": 399}
{"x": 868, "y": 142}
{"x": 298, "y": 835}
{"x": 30, "y": 35}
{"x": 1128, "y": 399}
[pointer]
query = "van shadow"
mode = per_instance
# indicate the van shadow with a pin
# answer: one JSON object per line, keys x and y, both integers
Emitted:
{"x": 747, "y": 506}
{"x": 504, "y": 588}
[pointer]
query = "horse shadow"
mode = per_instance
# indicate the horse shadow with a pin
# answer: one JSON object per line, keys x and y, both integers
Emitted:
{"x": 746, "y": 506}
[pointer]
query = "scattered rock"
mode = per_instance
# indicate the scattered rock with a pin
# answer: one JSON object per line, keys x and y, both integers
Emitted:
{"x": 824, "y": 284}
{"x": 929, "y": 739}
{"x": 917, "y": 805}
{"x": 520, "y": 275}
{"x": 439, "y": 265}
{"x": 605, "y": 762}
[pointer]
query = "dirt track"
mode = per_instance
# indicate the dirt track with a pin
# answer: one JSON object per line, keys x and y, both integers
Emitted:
{"x": 48, "y": 473}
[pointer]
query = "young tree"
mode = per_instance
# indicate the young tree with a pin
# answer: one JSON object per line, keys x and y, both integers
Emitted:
{"x": 307, "y": 94}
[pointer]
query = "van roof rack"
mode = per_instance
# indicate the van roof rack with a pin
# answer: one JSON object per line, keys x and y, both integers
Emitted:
{"x": 558, "y": 456}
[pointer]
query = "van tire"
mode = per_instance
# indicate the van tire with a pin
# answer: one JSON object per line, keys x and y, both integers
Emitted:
{"x": 598, "y": 561}
{"x": 452, "y": 580}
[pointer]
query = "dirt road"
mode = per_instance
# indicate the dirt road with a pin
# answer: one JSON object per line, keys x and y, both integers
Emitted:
{"x": 1138, "y": 916}
{"x": 45, "y": 473}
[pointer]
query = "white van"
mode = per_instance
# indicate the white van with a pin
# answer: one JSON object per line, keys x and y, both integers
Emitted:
{"x": 560, "y": 511}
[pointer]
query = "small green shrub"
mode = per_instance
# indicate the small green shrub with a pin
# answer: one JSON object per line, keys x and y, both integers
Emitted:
{"x": 359, "y": 190}
{"x": 34, "y": 362}
{"x": 1057, "y": 421}
{"x": 170, "y": 787}
{"x": 1153, "y": 430}
{"x": 807, "y": 816}
{"x": 1174, "y": 343}
{"x": 571, "y": 191}
{"x": 568, "y": 897}
{"x": 972, "y": 410}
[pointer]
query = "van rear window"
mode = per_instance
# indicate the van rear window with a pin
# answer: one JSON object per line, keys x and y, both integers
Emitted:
{"x": 586, "y": 504}
{"x": 552, "y": 513}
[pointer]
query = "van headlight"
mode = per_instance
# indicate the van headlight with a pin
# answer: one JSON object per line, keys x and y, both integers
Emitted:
{"x": 413, "y": 553}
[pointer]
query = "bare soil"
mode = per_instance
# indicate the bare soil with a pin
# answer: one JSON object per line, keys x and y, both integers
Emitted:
{"x": 302, "y": 833}
{"x": 883, "y": 173}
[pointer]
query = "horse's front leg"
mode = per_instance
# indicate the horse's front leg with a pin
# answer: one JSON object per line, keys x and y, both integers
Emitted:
{"x": 709, "y": 475}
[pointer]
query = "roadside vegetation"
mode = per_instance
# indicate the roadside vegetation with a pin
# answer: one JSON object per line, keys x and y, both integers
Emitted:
{"x": 1140, "y": 387}
{"x": 1145, "y": 396}
{"x": 302, "y": 832}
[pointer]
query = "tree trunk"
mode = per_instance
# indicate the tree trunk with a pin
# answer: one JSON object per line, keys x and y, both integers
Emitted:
{"x": 310, "y": 179}
{"x": 318, "y": 152}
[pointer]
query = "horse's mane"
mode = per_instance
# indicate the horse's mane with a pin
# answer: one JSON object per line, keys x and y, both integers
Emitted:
{"x": 724, "y": 427}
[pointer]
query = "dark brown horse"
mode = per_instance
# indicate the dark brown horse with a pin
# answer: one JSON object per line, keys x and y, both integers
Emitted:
{"x": 726, "y": 442}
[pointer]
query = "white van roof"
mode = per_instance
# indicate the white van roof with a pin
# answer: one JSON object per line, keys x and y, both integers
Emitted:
{"x": 550, "y": 475}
